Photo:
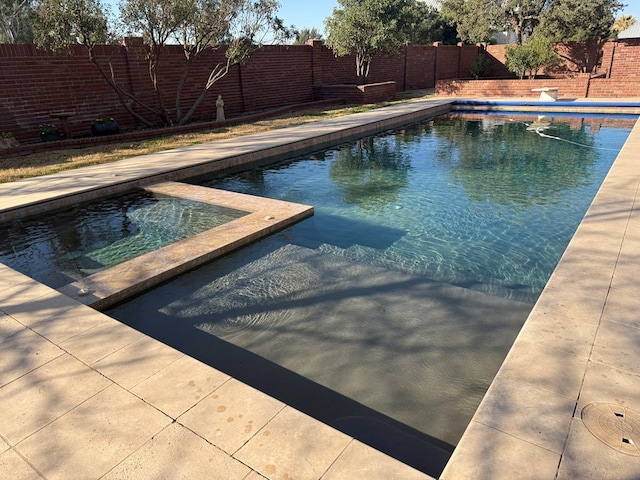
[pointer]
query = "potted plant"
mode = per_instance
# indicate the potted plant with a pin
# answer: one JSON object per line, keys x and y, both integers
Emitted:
{"x": 49, "y": 133}
{"x": 104, "y": 126}
{"x": 7, "y": 140}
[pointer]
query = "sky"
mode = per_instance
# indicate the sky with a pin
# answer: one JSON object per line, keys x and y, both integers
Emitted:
{"x": 307, "y": 13}
{"x": 311, "y": 13}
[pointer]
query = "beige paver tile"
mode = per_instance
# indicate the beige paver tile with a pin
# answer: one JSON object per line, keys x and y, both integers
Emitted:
{"x": 24, "y": 352}
{"x": 618, "y": 345}
{"x": 34, "y": 310}
{"x": 569, "y": 305}
{"x": 361, "y": 461}
{"x": 534, "y": 415}
{"x": 13, "y": 467}
{"x": 31, "y": 301}
{"x": 628, "y": 268}
{"x": 623, "y": 307}
{"x": 551, "y": 369}
{"x": 293, "y": 445}
{"x": 41, "y": 396}
{"x": 253, "y": 475}
{"x": 231, "y": 415}
{"x": 606, "y": 384}
{"x": 180, "y": 385}
{"x": 485, "y": 453}
{"x": 4, "y": 446}
{"x": 9, "y": 326}
{"x": 586, "y": 457}
{"x": 61, "y": 326}
{"x": 559, "y": 332}
{"x": 100, "y": 341}
{"x": 178, "y": 453}
{"x": 94, "y": 437}
{"x": 11, "y": 278}
{"x": 137, "y": 361}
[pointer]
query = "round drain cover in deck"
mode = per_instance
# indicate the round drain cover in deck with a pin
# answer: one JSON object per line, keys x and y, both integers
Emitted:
{"x": 616, "y": 426}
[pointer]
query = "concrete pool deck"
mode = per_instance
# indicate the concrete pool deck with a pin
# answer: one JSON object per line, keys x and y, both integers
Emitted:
{"x": 84, "y": 396}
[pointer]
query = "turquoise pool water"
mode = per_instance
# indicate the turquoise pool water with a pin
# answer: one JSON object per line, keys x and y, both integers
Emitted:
{"x": 388, "y": 313}
{"x": 67, "y": 245}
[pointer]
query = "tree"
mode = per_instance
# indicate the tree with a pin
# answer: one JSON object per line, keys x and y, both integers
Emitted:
{"x": 427, "y": 26}
{"x": 478, "y": 20}
{"x": 587, "y": 21}
{"x": 367, "y": 27}
{"x": 622, "y": 23}
{"x": 528, "y": 59}
{"x": 197, "y": 25}
{"x": 16, "y": 21}
{"x": 475, "y": 20}
{"x": 305, "y": 34}
{"x": 578, "y": 20}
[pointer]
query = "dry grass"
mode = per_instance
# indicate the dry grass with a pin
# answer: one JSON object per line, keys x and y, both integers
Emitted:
{"x": 57, "y": 160}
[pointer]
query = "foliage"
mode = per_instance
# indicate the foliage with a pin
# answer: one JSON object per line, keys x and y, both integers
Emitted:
{"x": 16, "y": 21}
{"x": 197, "y": 25}
{"x": 367, "y": 27}
{"x": 61, "y": 24}
{"x": 427, "y": 26}
{"x": 480, "y": 66}
{"x": 4, "y": 135}
{"x": 528, "y": 59}
{"x": 475, "y": 20}
{"x": 579, "y": 20}
{"x": 47, "y": 129}
{"x": 622, "y": 23}
{"x": 305, "y": 34}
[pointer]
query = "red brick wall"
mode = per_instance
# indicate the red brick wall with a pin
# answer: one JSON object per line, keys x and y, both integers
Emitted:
{"x": 626, "y": 60}
{"x": 571, "y": 87}
{"x": 611, "y": 88}
{"x": 420, "y": 67}
{"x": 35, "y": 83}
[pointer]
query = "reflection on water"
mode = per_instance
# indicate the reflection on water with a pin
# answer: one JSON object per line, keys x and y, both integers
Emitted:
{"x": 64, "y": 246}
{"x": 397, "y": 302}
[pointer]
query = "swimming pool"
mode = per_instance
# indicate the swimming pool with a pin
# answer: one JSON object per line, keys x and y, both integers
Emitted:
{"x": 389, "y": 310}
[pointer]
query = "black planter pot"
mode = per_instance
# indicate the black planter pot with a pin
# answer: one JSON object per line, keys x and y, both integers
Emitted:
{"x": 49, "y": 136}
{"x": 107, "y": 128}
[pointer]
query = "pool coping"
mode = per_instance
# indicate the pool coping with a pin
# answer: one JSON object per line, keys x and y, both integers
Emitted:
{"x": 530, "y": 415}
{"x": 265, "y": 216}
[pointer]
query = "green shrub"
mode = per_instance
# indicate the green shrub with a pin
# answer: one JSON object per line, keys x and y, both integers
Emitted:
{"x": 528, "y": 59}
{"x": 480, "y": 66}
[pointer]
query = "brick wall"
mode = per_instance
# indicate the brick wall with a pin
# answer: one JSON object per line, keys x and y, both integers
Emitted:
{"x": 568, "y": 87}
{"x": 35, "y": 83}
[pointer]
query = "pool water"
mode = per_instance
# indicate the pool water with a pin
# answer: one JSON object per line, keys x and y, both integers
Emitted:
{"x": 65, "y": 246}
{"x": 388, "y": 313}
